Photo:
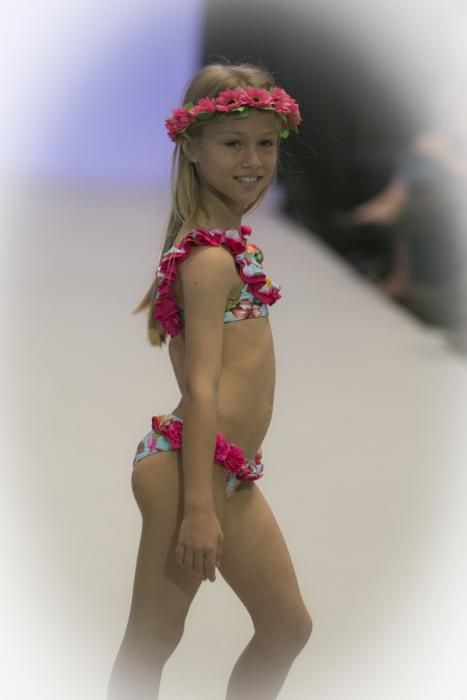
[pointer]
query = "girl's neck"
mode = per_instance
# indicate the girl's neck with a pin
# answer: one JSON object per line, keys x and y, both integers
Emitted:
{"x": 214, "y": 213}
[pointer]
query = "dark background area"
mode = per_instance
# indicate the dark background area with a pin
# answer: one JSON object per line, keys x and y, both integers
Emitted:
{"x": 361, "y": 115}
{"x": 354, "y": 120}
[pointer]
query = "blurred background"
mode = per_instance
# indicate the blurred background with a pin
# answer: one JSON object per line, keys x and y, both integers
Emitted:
{"x": 365, "y": 231}
{"x": 378, "y": 173}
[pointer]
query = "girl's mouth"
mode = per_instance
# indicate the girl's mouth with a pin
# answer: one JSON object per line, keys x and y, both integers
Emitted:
{"x": 248, "y": 180}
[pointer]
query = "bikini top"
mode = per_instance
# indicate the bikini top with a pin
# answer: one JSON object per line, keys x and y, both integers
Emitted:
{"x": 257, "y": 294}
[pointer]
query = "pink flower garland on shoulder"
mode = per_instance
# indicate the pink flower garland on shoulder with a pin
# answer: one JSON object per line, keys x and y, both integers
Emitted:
{"x": 165, "y": 309}
{"x": 237, "y": 102}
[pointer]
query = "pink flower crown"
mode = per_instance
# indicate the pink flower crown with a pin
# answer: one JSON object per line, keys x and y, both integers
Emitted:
{"x": 237, "y": 102}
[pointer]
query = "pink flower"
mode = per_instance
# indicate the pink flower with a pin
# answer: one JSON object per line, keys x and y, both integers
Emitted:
{"x": 268, "y": 293}
{"x": 173, "y": 432}
{"x": 173, "y": 325}
{"x": 222, "y": 448}
{"x": 242, "y": 310}
{"x": 295, "y": 116}
{"x": 168, "y": 268}
{"x": 284, "y": 104}
{"x": 167, "y": 314}
{"x": 171, "y": 129}
{"x": 259, "y": 97}
{"x": 180, "y": 119}
{"x": 212, "y": 236}
{"x": 246, "y": 309}
{"x": 235, "y": 458}
{"x": 156, "y": 422}
{"x": 163, "y": 289}
{"x": 234, "y": 240}
{"x": 164, "y": 307}
{"x": 245, "y": 230}
{"x": 230, "y": 99}
{"x": 206, "y": 104}
{"x": 244, "y": 473}
{"x": 281, "y": 100}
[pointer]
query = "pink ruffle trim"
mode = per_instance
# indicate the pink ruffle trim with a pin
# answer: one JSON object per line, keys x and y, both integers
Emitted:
{"x": 226, "y": 453}
{"x": 165, "y": 308}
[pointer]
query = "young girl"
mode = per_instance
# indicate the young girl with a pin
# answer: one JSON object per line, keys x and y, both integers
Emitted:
{"x": 194, "y": 473}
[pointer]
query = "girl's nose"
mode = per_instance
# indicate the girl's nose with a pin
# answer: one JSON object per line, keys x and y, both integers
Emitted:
{"x": 251, "y": 159}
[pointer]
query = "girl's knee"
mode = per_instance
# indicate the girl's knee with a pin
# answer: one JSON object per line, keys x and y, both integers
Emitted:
{"x": 289, "y": 632}
{"x": 305, "y": 629}
{"x": 298, "y": 630}
{"x": 156, "y": 638}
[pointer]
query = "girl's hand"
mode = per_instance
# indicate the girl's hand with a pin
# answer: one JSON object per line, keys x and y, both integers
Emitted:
{"x": 200, "y": 544}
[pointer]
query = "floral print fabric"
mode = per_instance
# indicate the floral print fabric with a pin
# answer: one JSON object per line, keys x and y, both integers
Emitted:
{"x": 166, "y": 435}
{"x": 258, "y": 292}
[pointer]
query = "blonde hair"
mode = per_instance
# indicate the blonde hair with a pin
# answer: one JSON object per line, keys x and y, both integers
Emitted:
{"x": 208, "y": 82}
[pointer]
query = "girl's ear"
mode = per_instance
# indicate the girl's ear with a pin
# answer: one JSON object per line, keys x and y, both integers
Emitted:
{"x": 189, "y": 149}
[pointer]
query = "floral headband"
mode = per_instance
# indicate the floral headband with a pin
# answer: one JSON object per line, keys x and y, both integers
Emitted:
{"x": 237, "y": 102}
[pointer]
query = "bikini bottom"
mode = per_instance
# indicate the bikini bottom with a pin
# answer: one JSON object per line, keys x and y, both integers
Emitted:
{"x": 166, "y": 435}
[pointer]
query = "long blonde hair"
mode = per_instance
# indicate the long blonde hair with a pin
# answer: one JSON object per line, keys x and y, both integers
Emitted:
{"x": 208, "y": 82}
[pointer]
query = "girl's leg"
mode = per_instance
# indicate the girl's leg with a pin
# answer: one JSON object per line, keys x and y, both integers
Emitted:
{"x": 162, "y": 591}
{"x": 257, "y": 565}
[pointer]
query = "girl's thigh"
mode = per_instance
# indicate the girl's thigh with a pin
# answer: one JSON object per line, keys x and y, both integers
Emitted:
{"x": 162, "y": 590}
{"x": 257, "y": 565}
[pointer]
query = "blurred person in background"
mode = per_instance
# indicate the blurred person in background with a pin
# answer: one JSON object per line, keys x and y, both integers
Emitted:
{"x": 422, "y": 205}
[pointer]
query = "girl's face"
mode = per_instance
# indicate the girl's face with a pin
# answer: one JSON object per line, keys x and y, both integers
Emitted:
{"x": 233, "y": 149}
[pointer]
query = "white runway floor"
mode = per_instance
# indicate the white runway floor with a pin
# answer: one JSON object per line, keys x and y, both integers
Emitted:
{"x": 365, "y": 464}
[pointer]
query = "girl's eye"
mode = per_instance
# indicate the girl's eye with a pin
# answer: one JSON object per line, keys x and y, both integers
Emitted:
{"x": 266, "y": 142}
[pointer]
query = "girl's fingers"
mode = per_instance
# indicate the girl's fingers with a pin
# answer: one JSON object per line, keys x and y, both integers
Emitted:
{"x": 209, "y": 566}
{"x": 198, "y": 564}
{"x": 201, "y": 564}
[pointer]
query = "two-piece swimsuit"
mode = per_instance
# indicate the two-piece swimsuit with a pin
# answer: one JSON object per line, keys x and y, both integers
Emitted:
{"x": 257, "y": 294}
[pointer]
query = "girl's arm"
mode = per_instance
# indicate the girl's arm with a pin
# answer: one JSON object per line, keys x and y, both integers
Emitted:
{"x": 206, "y": 277}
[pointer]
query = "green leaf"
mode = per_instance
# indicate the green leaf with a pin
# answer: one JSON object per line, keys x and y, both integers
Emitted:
{"x": 204, "y": 115}
{"x": 240, "y": 115}
{"x": 284, "y": 133}
{"x": 188, "y": 105}
{"x": 218, "y": 117}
